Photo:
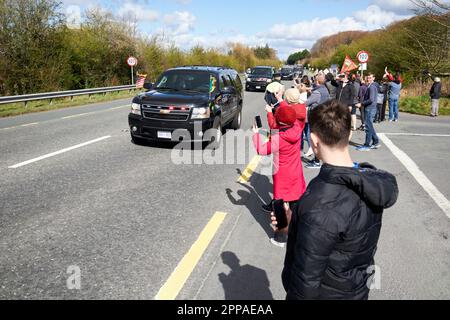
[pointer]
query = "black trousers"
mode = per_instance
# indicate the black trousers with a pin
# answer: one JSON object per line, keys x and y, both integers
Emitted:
{"x": 383, "y": 111}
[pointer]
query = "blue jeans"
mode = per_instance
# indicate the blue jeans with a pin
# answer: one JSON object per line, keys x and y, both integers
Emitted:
{"x": 371, "y": 135}
{"x": 393, "y": 109}
{"x": 306, "y": 135}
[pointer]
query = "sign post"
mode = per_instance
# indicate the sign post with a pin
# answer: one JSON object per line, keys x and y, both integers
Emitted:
{"x": 132, "y": 62}
{"x": 363, "y": 58}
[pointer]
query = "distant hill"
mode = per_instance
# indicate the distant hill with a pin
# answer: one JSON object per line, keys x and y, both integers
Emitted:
{"x": 327, "y": 45}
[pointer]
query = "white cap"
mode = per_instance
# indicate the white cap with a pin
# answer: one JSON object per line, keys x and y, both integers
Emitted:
{"x": 437, "y": 79}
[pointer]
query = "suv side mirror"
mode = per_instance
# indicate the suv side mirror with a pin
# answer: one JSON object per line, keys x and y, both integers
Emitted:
{"x": 228, "y": 90}
{"x": 148, "y": 86}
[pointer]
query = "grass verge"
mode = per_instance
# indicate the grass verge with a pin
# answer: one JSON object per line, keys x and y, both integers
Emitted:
{"x": 422, "y": 105}
{"x": 14, "y": 109}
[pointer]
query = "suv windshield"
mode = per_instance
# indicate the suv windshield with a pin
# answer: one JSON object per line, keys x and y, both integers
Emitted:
{"x": 181, "y": 80}
{"x": 265, "y": 72}
{"x": 286, "y": 70}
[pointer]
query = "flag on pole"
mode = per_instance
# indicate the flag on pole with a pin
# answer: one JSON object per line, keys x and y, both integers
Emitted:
{"x": 349, "y": 65}
{"x": 141, "y": 80}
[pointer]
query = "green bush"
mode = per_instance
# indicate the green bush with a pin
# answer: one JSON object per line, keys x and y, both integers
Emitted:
{"x": 422, "y": 105}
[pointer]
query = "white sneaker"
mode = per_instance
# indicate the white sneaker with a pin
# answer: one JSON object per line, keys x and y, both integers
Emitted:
{"x": 310, "y": 153}
{"x": 278, "y": 244}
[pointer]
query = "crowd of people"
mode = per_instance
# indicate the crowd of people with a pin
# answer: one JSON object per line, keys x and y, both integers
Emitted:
{"x": 335, "y": 221}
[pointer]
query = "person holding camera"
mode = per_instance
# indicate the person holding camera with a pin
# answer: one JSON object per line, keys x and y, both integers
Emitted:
{"x": 288, "y": 180}
{"x": 335, "y": 227}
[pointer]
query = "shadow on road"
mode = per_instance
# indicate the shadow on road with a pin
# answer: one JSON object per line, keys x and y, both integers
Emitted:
{"x": 244, "y": 282}
{"x": 260, "y": 188}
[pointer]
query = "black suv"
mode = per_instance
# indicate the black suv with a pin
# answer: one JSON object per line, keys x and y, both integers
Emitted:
{"x": 287, "y": 73}
{"x": 259, "y": 78}
{"x": 185, "y": 102}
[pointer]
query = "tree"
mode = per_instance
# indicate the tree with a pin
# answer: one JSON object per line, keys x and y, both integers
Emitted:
{"x": 32, "y": 54}
{"x": 265, "y": 52}
{"x": 298, "y": 56}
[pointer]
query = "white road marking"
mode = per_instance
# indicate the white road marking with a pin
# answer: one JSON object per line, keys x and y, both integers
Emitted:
{"x": 29, "y": 124}
{"x": 68, "y": 117}
{"x": 417, "y": 134}
{"x": 77, "y": 115}
{"x": 58, "y": 152}
{"x": 421, "y": 178}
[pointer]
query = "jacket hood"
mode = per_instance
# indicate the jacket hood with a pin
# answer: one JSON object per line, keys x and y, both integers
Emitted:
{"x": 377, "y": 188}
{"x": 291, "y": 134}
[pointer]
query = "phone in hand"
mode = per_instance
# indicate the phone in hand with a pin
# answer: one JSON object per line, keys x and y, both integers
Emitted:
{"x": 258, "y": 122}
{"x": 280, "y": 214}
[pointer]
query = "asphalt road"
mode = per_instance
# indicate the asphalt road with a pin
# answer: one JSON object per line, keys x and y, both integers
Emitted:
{"x": 126, "y": 215}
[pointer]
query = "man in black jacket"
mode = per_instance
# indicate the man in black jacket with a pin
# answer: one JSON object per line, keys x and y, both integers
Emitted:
{"x": 435, "y": 94}
{"x": 334, "y": 230}
{"x": 345, "y": 92}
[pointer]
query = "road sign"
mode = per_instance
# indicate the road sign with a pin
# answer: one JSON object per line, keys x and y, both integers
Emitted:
{"x": 363, "y": 57}
{"x": 363, "y": 67}
{"x": 132, "y": 61}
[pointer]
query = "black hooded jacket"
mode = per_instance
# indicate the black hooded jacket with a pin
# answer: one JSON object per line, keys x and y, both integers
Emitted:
{"x": 334, "y": 233}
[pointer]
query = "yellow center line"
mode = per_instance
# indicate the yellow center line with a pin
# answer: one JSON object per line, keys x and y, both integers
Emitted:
{"x": 176, "y": 281}
{"x": 248, "y": 172}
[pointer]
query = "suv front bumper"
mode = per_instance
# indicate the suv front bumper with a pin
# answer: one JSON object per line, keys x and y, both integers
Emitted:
{"x": 257, "y": 85}
{"x": 190, "y": 130}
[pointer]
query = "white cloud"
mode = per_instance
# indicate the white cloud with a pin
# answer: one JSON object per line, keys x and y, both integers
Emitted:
{"x": 135, "y": 11}
{"x": 289, "y": 37}
{"x": 396, "y": 6}
{"x": 179, "y": 23}
{"x": 73, "y": 16}
{"x": 374, "y": 17}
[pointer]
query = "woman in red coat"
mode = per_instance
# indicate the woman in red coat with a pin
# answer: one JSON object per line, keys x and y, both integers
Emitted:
{"x": 288, "y": 180}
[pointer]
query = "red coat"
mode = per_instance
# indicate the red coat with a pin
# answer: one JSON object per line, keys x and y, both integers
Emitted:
{"x": 288, "y": 180}
{"x": 300, "y": 110}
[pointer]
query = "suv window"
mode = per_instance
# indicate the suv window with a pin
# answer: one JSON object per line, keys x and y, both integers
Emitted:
{"x": 224, "y": 82}
{"x": 237, "y": 81}
{"x": 264, "y": 72}
{"x": 182, "y": 80}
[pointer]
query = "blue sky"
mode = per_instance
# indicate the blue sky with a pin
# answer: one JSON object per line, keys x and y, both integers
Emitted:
{"x": 288, "y": 25}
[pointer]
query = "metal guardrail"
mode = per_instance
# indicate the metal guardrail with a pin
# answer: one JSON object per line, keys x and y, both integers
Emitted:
{"x": 62, "y": 94}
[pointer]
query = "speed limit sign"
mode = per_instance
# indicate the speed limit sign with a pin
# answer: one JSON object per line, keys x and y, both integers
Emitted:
{"x": 132, "y": 61}
{"x": 363, "y": 57}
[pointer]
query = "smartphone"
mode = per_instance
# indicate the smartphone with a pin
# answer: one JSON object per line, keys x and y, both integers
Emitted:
{"x": 280, "y": 214}
{"x": 258, "y": 122}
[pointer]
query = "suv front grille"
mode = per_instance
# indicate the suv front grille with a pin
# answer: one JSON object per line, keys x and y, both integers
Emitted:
{"x": 166, "y": 113}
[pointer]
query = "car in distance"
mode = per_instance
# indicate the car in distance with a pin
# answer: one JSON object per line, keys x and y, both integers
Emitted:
{"x": 185, "y": 103}
{"x": 287, "y": 73}
{"x": 259, "y": 78}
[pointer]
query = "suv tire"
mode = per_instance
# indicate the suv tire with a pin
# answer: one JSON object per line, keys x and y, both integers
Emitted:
{"x": 236, "y": 123}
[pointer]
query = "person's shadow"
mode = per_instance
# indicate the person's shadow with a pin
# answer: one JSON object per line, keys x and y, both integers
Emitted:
{"x": 260, "y": 188}
{"x": 244, "y": 282}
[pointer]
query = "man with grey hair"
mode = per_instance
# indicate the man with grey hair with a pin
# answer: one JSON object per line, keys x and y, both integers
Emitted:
{"x": 435, "y": 94}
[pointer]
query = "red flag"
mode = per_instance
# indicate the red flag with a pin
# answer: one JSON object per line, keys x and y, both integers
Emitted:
{"x": 349, "y": 65}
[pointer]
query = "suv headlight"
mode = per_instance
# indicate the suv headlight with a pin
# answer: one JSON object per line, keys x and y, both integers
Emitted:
{"x": 269, "y": 80}
{"x": 249, "y": 80}
{"x": 201, "y": 113}
{"x": 136, "y": 109}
